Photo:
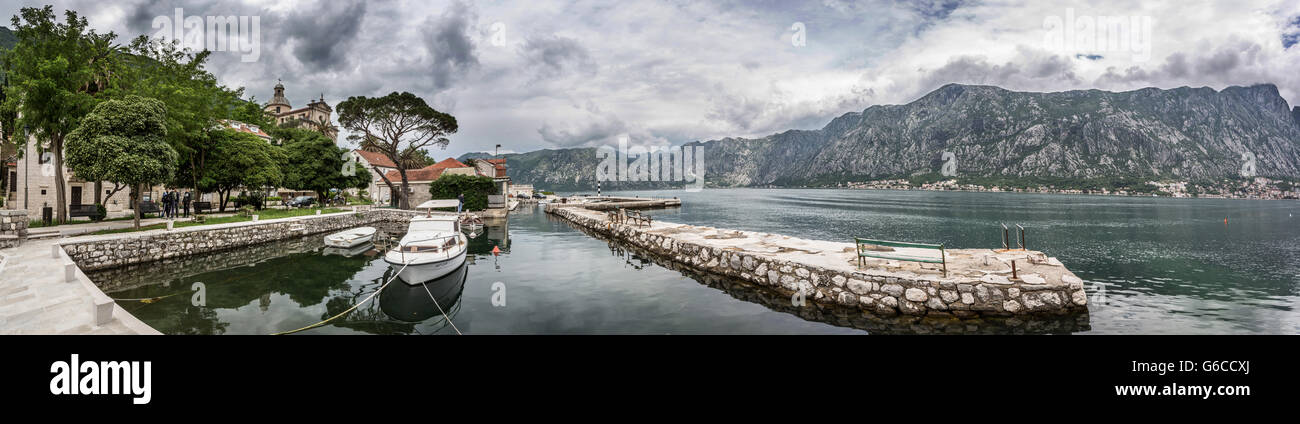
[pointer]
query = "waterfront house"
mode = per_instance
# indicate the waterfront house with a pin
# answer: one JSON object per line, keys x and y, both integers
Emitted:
{"x": 418, "y": 180}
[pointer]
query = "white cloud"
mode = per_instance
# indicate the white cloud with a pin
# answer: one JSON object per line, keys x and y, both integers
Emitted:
{"x": 574, "y": 72}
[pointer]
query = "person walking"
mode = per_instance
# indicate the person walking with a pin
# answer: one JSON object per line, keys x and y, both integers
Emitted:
{"x": 167, "y": 204}
{"x": 186, "y": 203}
{"x": 461, "y": 204}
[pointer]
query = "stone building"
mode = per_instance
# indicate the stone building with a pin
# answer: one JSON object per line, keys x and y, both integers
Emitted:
{"x": 378, "y": 165}
{"x": 418, "y": 180}
{"x": 495, "y": 169}
{"x": 31, "y": 184}
{"x": 316, "y": 115}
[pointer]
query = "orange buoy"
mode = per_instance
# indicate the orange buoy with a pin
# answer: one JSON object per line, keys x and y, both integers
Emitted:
{"x": 496, "y": 250}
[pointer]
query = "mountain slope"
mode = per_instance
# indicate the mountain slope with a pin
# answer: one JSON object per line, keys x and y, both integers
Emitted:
{"x": 1180, "y": 134}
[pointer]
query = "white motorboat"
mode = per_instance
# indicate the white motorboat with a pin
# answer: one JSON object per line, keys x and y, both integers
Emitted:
{"x": 432, "y": 247}
{"x": 350, "y": 238}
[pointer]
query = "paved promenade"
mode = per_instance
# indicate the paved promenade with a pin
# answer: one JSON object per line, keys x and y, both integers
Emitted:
{"x": 36, "y": 298}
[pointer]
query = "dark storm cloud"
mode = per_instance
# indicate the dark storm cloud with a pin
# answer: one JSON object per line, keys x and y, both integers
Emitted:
{"x": 1224, "y": 63}
{"x": 140, "y": 18}
{"x": 1030, "y": 72}
{"x": 451, "y": 51}
{"x": 1291, "y": 34}
{"x": 589, "y": 131}
{"x": 553, "y": 55}
{"x": 322, "y": 35}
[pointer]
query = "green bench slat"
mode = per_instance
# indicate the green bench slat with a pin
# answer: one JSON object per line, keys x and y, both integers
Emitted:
{"x": 861, "y": 243}
{"x": 904, "y": 258}
{"x": 897, "y": 243}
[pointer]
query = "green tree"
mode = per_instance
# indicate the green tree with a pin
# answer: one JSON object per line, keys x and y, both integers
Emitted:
{"x": 475, "y": 188}
{"x": 313, "y": 161}
{"x": 56, "y": 70}
{"x": 399, "y": 126}
{"x": 123, "y": 141}
{"x": 195, "y": 101}
{"x": 240, "y": 160}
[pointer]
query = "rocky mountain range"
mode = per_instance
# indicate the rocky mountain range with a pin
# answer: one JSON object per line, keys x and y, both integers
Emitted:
{"x": 1184, "y": 134}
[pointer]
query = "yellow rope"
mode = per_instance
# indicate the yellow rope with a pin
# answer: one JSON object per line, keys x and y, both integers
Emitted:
{"x": 354, "y": 307}
{"x": 147, "y": 299}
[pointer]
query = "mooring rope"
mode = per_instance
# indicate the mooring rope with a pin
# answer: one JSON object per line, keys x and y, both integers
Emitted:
{"x": 444, "y": 313}
{"x": 362, "y": 302}
{"x": 147, "y": 299}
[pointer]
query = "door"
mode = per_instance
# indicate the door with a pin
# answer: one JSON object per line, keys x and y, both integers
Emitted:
{"x": 76, "y": 196}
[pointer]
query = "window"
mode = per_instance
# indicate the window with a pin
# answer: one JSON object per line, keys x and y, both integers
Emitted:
{"x": 42, "y": 192}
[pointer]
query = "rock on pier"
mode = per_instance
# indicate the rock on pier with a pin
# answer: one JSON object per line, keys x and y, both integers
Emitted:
{"x": 978, "y": 284}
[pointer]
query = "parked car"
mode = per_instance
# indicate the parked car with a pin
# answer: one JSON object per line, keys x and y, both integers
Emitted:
{"x": 539, "y": 196}
{"x": 301, "y": 202}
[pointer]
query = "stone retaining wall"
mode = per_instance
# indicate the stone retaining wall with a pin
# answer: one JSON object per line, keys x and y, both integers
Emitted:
{"x": 13, "y": 227}
{"x": 879, "y": 294}
{"x": 106, "y": 252}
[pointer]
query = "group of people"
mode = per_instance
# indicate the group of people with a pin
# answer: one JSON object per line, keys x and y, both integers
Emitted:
{"x": 174, "y": 202}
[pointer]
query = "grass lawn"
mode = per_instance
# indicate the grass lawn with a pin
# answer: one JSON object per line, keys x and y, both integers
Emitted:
{"x": 261, "y": 215}
{"x": 36, "y": 223}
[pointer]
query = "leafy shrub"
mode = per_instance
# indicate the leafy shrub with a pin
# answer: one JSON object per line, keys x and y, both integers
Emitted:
{"x": 100, "y": 213}
{"x": 246, "y": 210}
{"x": 475, "y": 188}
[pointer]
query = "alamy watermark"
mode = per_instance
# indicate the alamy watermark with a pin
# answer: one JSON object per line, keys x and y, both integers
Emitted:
{"x": 800, "y": 36}
{"x": 1088, "y": 35}
{"x": 238, "y": 34}
{"x": 949, "y": 168}
{"x": 1248, "y": 164}
{"x": 498, "y": 37}
{"x": 651, "y": 163}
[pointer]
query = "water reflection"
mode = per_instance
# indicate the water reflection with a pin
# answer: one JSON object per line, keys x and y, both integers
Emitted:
{"x": 418, "y": 303}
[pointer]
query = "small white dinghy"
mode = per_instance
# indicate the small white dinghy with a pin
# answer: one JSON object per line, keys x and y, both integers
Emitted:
{"x": 470, "y": 222}
{"x": 350, "y": 238}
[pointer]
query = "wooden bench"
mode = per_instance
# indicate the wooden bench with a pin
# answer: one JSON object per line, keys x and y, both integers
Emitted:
{"x": 199, "y": 207}
{"x": 639, "y": 218}
{"x": 149, "y": 207}
{"x": 91, "y": 211}
{"x": 866, "y": 250}
{"x": 614, "y": 217}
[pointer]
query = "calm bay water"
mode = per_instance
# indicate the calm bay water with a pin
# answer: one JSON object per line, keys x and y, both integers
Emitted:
{"x": 1151, "y": 266}
{"x": 1165, "y": 265}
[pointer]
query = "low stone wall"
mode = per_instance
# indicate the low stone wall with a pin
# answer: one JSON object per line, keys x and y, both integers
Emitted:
{"x": 875, "y": 292}
{"x": 106, "y": 252}
{"x": 13, "y": 227}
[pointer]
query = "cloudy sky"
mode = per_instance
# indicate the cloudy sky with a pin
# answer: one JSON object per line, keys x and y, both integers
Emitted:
{"x": 552, "y": 74}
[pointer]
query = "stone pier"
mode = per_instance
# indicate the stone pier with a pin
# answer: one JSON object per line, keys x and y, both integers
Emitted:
{"x": 979, "y": 282}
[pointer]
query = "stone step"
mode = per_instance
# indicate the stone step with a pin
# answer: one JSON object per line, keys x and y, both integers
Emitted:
{"x": 43, "y": 236}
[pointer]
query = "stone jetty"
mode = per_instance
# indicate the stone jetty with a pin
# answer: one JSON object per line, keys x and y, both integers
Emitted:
{"x": 979, "y": 282}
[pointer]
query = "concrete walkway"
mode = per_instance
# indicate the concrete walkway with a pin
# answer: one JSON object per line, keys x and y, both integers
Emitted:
{"x": 37, "y": 298}
{"x": 70, "y": 230}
